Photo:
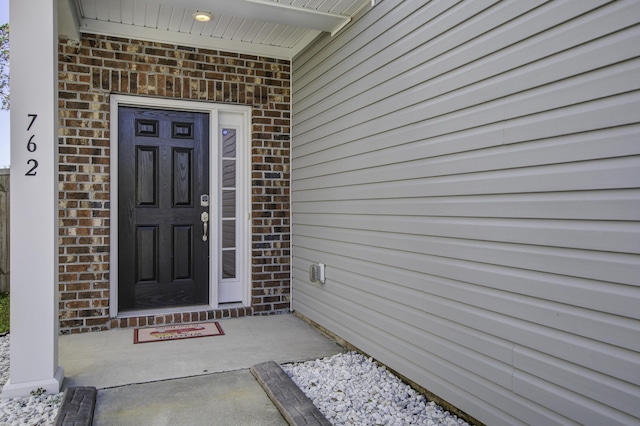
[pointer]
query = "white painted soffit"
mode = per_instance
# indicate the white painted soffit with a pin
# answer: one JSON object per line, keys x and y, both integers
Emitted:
{"x": 269, "y": 11}
{"x": 257, "y": 27}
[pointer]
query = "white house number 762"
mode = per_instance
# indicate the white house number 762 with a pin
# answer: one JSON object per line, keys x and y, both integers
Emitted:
{"x": 31, "y": 147}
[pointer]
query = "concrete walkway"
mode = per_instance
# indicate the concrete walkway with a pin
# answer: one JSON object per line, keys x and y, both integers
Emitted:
{"x": 202, "y": 381}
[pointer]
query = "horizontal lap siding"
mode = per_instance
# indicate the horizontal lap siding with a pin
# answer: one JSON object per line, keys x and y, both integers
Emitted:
{"x": 469, "y": 172}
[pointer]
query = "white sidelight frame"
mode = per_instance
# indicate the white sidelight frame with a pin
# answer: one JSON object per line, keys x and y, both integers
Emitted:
{"x": 236, "y": 116}
{"x": 231, "y": 289}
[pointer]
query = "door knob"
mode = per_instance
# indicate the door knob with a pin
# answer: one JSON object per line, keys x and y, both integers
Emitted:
{"x": 204, "y": 217}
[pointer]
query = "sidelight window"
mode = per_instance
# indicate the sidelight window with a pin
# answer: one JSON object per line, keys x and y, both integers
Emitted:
{"x": 228, "y": 203}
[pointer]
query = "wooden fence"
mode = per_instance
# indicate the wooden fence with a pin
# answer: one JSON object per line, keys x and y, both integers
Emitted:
{"x": 4, "y": 230}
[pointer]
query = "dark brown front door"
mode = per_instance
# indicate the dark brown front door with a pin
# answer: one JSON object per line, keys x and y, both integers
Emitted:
{"x": 163, "y": 170}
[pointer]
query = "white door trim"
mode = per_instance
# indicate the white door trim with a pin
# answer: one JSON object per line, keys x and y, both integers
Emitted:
{"x": 244, "y": 163}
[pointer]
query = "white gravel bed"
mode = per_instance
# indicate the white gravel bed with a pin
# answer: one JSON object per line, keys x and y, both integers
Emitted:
{"x": 351, "y": 389}
{"x": 30, "y": 410}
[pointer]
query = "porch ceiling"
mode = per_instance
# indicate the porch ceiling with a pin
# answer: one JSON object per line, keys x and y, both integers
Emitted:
{"x": 277, "y": 28}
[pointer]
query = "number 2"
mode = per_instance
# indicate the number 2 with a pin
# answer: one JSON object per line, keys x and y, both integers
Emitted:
{"x": 32, "y": 170}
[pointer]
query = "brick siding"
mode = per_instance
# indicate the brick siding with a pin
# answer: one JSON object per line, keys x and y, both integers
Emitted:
{"x": 99, "y": 66}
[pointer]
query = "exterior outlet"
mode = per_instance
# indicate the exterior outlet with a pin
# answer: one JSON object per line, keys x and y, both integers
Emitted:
{"x": 316, "y": 273}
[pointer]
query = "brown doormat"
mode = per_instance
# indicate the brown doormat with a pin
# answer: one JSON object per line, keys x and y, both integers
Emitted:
{"x": 176, "y": 332}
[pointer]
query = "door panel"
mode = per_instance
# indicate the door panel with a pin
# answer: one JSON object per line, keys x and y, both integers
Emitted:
{"x": 146, "y": 253}
{"x": 182, "y": 259}
{"x": 182, "y": 172}
{"x": 146, "y": 173}
{"x": 163, "y": 168}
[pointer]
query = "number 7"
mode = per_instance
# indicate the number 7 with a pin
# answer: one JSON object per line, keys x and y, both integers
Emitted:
{"x": 33, "y": 119}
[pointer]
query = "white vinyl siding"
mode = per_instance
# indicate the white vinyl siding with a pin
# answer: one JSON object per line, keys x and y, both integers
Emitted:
{"x": 469, "y": 172}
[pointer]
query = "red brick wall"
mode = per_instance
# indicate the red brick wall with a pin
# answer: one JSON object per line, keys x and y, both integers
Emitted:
{"x": 101, "y": 65}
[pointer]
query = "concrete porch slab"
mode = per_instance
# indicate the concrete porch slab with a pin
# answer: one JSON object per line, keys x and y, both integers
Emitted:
{"x": 110, "y": 359}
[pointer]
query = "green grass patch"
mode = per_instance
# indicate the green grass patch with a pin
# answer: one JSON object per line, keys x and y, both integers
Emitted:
{"x": 4, "y": 312}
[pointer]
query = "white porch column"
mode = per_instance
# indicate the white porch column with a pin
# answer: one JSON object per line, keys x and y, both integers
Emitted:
{"x": 34, "y": 199}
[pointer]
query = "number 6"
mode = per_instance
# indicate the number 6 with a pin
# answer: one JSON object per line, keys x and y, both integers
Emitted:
{"x": 31, "y": 145}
